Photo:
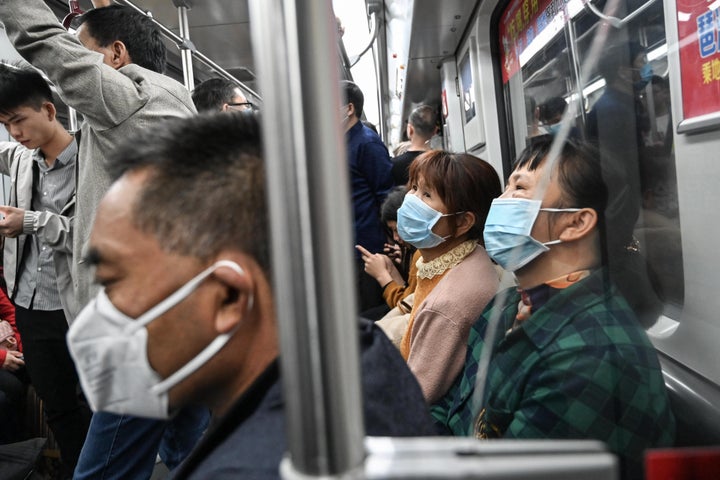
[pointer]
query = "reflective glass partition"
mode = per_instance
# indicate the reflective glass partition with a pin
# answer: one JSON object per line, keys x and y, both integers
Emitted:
{"x": 607, "y": 63}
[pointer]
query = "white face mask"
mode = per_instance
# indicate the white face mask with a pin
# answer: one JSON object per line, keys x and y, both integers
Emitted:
{"x": 110, "y": 353}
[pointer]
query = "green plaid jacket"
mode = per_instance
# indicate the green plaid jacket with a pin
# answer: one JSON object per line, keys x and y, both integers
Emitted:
{"x": 580, "y": 367}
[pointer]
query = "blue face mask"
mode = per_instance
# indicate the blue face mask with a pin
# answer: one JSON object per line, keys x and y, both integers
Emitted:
{"x": 415, "y": 221}
{"x": 554, "y": 128}
{"x": 507, "y": 232}
{"x": 646, "y": 72}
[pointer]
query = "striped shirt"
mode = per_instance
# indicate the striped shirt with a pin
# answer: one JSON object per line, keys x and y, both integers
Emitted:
{"x": 53, "y": 188}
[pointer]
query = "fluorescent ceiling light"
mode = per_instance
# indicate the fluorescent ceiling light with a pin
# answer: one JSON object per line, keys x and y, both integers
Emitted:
{"x": 658, "y": 52}
{"x": 596, "y": 85}
{"x": 574, "y": 7}
{"x": 545, "y": 37}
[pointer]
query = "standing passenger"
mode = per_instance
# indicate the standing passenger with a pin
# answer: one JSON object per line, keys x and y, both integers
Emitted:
{"x": 420, "y": 129}
{"x": 111, "y": 74}
{"x": 37, "y": 249}
{"x": 569, "y": 360}
{"x": 370, "y": 182}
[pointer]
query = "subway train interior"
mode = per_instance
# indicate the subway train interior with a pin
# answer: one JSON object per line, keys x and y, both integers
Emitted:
{"x": 490, "y": 68}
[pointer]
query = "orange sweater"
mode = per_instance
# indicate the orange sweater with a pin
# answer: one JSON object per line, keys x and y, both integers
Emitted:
{"x": 447, "y": 303}
{"x": 394, "y": 293}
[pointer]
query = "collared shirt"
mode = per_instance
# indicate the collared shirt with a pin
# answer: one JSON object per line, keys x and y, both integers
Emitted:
{"x": 579, "y": 367}
{"x": 53, "y": 188}
{"x": 370, "y": 182}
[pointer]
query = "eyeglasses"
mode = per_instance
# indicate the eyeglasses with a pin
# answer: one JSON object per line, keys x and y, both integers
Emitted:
{"x": 242, "y": 106}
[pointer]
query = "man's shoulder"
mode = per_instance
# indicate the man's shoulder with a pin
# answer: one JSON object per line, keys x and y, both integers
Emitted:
{"x": 159, "y": 87}
{"x": 408, "y": 156}
{"x": 392, "y": 400}
{"x": 11, "y": 152}
{"x": 249, "y": 440}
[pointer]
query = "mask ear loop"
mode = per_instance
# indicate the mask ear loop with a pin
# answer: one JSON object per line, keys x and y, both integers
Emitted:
{"x": 556, "y": 210}
{"x": 208, "y": 352}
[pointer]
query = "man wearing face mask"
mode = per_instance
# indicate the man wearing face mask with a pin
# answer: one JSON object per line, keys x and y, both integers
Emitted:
{"x": 186, "y": 313}
{"x": 569, "y": 359}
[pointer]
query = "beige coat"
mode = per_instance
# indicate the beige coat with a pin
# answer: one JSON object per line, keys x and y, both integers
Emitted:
{"x": 53, "y": 230}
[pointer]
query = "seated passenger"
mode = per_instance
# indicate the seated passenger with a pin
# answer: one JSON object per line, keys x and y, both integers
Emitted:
{"x": 395, "y": 269}
{"x": 187, "y": 315}
{"x": 569, "y": 359}
{"x": 443, "y": 215}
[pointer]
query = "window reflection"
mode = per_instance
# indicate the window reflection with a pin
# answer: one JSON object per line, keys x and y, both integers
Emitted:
{"x": 623, "y": 106}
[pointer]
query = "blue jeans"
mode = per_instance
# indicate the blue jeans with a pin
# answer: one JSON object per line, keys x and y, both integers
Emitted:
{"x": 122, "y": 447}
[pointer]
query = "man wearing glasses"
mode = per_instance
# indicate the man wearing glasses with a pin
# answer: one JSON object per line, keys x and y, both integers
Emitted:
{"x": 219, "y": 95}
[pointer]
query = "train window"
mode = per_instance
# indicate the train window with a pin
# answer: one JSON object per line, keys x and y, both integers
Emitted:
{"x": 613, "y": 75}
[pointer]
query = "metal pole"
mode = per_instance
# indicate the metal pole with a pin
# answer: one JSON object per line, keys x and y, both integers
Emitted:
{"x": 310, "y": 222}
{"x": 170, "y": 35}
{"x": 185, "y": 48}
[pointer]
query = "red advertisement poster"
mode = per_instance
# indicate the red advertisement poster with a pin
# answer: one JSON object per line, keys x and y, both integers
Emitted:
{"x": 699, "y": 35}
{"x": 521, "y": 22}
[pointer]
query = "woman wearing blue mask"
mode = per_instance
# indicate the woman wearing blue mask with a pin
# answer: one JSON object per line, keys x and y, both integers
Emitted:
{"x": 443, "y": 215}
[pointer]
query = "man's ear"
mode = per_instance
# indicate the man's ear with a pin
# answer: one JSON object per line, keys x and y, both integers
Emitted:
{"x": 237, "y": 297}
{"x": 351, "y": 110}
{"x": 464, "y": 222}
{"x": 578, "y": 224}
{"x": 120, "y": 56}
{"x": 50, "y": 109}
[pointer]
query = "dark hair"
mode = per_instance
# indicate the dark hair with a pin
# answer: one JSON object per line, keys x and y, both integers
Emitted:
{"x": 20, "y": 87}
{"x": 579, "y": 172}
{"x": 464, "y": 182}
{"x": 354, "y": 95}
{"x": 617, "y": 56}
{"x": 422, "y": 120}
{"x": 137, "y": 31}
{"x": 212, "y": 94}
{"x": 393, "y": 201}
{"x": 551, "y": 109}
{"x": 209, "y": 163}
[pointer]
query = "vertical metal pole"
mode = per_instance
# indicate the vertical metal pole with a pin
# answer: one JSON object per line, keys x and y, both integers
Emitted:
{"x": 575, "y": 68}
{"x": 185, "y": 52}
{"x": 308, "y": 187}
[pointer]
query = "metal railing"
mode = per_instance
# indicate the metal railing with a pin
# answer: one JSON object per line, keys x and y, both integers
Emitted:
{"x": 187, "y": 49}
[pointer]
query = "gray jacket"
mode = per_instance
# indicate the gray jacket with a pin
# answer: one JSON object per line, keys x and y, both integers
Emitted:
{"x": 53, "y": 230}
{"x": 115, "y": 104}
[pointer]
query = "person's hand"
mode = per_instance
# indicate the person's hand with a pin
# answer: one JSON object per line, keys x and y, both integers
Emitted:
{"x": 11, "y": 224}
{"x": 377, "y": 265}
{"x": 393, "y": 251}
{"x": 13, "y": 360}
